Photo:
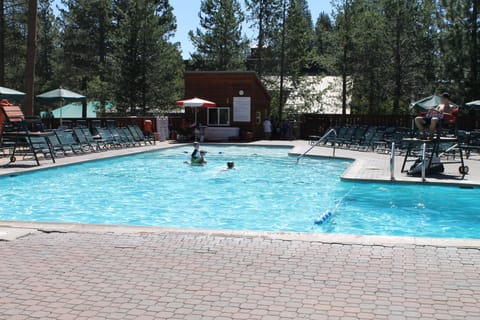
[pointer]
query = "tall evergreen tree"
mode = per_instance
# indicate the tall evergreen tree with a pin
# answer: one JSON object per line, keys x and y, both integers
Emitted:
{"x": 86, "y": 37}
{"x": 15, "y": 42}
{"x": 219, "y": 42}
{"x": 323, "y": 45}
{"x": 148, "y": 66}
{"x": 2, "y": 42}
{"x": 264, "y": 16}
{"x": 343, "y": 45}
{"x": 368, "y": 58}
{"x": 459, "y": 53}
{"x": 47, "y": 55}
{"x": 299, "y": 38}
{"x": 409, "y": 52}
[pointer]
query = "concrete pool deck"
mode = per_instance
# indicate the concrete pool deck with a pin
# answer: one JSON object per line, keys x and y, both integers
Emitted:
{"x": 74, "y": 271}
{"x": 67, "y": 271}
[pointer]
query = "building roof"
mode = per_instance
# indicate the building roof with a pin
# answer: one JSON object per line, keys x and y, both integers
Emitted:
{"x": 312, "y": 94}
{"x": 74, "y": 110}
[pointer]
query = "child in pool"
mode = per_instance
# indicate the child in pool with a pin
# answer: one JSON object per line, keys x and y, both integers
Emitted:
{"x": 230, "y": 166}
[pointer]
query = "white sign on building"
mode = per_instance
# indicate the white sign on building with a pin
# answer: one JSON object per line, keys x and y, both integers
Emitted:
{"x": 242, "y": 109}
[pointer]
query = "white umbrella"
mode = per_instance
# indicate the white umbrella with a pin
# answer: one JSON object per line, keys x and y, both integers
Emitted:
{"x": 196, "y": 103}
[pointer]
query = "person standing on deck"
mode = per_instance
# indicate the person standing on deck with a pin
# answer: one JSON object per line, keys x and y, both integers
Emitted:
{"x": 267, "y": 128}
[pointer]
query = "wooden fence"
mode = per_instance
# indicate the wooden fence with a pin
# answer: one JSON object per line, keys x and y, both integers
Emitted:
{"x": 103, "y": 122}
{"x": 311, "y": 124}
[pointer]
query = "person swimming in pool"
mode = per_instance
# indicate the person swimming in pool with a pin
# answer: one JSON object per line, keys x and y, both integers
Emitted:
{"x": 198, "y": 156}
{"x": 230, "y": 166}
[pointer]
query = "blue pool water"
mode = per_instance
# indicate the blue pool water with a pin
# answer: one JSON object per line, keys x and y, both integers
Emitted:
{"x": 268, "y": 191}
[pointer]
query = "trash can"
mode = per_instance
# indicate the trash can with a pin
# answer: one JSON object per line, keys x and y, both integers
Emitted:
{"x": 147, "y": 126}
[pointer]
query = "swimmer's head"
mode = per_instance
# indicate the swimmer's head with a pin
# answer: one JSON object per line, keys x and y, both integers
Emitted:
{"x": 203, "y": 152}
{"x": 230, "y": 165}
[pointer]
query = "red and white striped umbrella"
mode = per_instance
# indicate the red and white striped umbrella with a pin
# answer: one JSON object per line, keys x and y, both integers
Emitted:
{"x": 196, "y": 103}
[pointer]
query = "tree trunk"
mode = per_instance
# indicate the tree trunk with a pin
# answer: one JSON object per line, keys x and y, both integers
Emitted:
{"x": 2, "y": 43}
{"x": 260, "y": 39}
{"x": 398, "y": 66}
{"x": 346, "y": 45}
{"x": 30, "y": 66}
{"x": 282, "y": 63}
{"x": 344, "y": 80}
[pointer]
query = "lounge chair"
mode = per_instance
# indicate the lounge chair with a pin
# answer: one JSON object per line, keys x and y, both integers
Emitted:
{"x": 85, "y": 143}
{"x": 55, "y": 145}
{"x": 356, "y": 138}
{"x": 472, "y": 143}
{"x": 364, "y": 143}
{"x": 98, "y": 144}
{"x": 332, "y": 139}
{"x": 141, "y": 135}
{"x": 120, "y": 137}
{"x": 68, "y": 141}
{"x": 14, "y": 133}
{"x": 40, "y": 145}
{"x": 135, "y": 136}
{"x": 130, "y": 138}
{"x": 348, "y": 136}
{"x": 108, "y": 138}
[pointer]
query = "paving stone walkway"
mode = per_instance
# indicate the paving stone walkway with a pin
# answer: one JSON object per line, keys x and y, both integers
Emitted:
{"x": 176, "y": 275}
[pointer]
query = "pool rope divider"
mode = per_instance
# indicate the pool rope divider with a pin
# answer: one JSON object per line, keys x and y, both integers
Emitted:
{"x": 324, "y": 217}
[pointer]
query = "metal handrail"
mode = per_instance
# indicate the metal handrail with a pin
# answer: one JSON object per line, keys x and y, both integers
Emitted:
{"x": 424, "y": 148}
{"x": 325, "y": 136}
{"x": 392, "y": 162}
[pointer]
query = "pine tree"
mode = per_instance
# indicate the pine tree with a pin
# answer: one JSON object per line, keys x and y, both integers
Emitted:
{"x": 15, "y": 43}
{"x": 343, "y": 45}
{"x": 323, "y": 53}
{"x": 148, "y": 66}
{"x": 219, "y": 42}
{"x": 409, "y": 52}
{"x": 368, "y": 56}
{"x": 47, "y": 55}
{"x": 3, "y": 30}
{"x": 458, "y": 43}
{"x": 86, "y": 38}
{"x": 264, "y": 16}
{"x": 299, "y": 39}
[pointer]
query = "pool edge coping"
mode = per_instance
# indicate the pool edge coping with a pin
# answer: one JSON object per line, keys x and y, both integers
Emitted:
{"x": 330, "y": 238}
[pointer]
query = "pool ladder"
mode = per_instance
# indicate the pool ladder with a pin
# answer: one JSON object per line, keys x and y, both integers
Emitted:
{"x": 322, "y": 139}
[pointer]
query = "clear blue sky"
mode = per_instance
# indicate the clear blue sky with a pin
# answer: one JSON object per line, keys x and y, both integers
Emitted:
{"x": 186, "y": 12}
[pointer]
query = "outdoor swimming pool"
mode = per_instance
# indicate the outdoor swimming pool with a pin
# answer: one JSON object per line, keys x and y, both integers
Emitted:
{"x": 268, "y": 191}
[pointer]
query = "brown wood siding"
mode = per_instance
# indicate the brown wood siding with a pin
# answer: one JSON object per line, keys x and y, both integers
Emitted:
{"x": 221, "y": 88}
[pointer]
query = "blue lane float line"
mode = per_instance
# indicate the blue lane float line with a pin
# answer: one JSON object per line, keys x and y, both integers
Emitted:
{"x": 323, "y": 217}
{"x": 327, "y": 214}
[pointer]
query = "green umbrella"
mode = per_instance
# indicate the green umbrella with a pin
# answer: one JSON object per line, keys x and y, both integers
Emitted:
{"x": 473, "y": 105}
{"x": 10, "y": 94}
{"x": 428, "y": 103}
{"x": 61, "y": 96}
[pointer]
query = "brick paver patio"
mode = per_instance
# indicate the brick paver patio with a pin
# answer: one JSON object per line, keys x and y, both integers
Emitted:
{"x": 174, "y": 275}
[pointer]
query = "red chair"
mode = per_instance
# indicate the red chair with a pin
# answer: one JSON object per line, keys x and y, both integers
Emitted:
{"x": 448, "y": 123}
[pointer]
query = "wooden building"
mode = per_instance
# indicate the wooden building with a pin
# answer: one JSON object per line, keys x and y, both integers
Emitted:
{"x": 242, "y": 103}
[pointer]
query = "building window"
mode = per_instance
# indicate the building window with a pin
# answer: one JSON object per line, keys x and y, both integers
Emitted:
{"x": 218, "y": 116}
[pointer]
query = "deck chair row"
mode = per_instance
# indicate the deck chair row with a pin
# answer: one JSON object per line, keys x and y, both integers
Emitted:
{"x": 81, "y": 140}
{"x": 366, "y": 138}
